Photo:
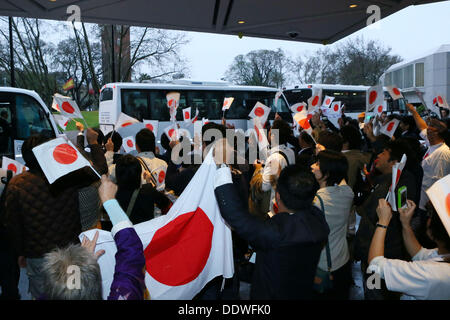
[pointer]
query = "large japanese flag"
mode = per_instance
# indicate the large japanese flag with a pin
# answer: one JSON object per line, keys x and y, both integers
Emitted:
{"x": 59, "y": 157}
{"x": 298, "y": 107}
{"x": 439, "y": 195}
{"x": 390, "y": 127}
{"x": 152, "y": 125}
{"x": 394, "y": 92}
{"x": 227, "y": 103}
{"x": 187, "y": 114}
{"x": 15, "y": 166}
{"x": 316, "y": 100}
{"x": 396, "y": 173}
{"x": 61, "y": 120}
{"x": 184, "y": 249}
{"x": 327, "y": 101}
{"x": 335, "y": 110}
{"x": 129, "y": 144}
{"x": 260, "y": 111}
{"x": 374, "y": 97}
{"x": 67, "y": 106}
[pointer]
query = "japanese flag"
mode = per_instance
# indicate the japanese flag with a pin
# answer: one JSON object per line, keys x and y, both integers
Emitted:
{"x": 159, "y": 175}
{"x": 316, "y": 100}
{"x": 380, "y": 107}
{"x": 13, "y": 165}
{"x": 260, "y": 111}
{"x": 327, "y": 101}
{"x": 125, "y": 121}
{"x": 172, "y": 132}
{"x": 439, "y": 195}
{"x": 394, "y": 92}
{"x": 129, "y": 144}
{"x": 263, "y": 143}
{"x": 196, "y": 116}
{"x": 335, "y": 110}
{"x": 298, "y": 107}
{"x": 55, "y": 105}
{"x": 396, "y": 173}
{"x": 67, "y": 106}
{"x": 389, "y": 128}
{"x": 152, "y": 125}
{"x": 173, "y": 101}
{"x": 441, "y": 102}
{"x": 302, "y": 121}
{"x": 58, "y": 158}
{"x": 61, "y": 120}
{"x": 374, "y": 97}
{"x": 187, "y": 114}
{"x": 184, "y": 249}
{"x": 227, "y": 103}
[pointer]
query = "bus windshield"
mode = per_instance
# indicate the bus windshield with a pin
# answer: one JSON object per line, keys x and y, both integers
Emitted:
{"x": 152, "y": 103}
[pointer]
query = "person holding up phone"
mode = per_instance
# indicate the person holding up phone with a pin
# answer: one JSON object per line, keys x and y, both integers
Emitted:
{"x": 427, "y": 276}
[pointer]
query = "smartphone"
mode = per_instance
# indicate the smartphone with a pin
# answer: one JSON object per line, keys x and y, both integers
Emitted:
{"x": 401, "y": 200}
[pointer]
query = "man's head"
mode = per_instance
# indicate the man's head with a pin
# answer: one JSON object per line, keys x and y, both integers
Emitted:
{"x": 210, "y": 132}
{"x": 296, "y": 188}
{"x": 116, "y": 139}
{"x": 145, "y": 141}
{"x": 392, "y": 153}
{"x": 436, "y": 131}
{"x": 331, "y": 167}
{"x": 444, "y": 113}
{"x": 27, "y": 150}
{"x": 407, "y": 123}
{"x": 305, "y": 140}
{"x": 283, "y": 129}
{"x": 128, "y": 172}
{"x": 71, "y": 273}
{"x": 351, "y": 137}
{"x": 330, "y": 140}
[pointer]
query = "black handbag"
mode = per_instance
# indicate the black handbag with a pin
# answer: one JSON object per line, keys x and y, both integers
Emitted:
{"x": 323, "y": 281}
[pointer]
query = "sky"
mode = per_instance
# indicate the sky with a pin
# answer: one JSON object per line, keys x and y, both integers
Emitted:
{"x": 410, "y": 32}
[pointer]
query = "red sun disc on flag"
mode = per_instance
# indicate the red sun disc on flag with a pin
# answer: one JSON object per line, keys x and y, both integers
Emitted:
{"x": 380, "y": 108}
{"x": 172, "y": 103}
{"x": 130, "y": 143}
{"x": 336, "y": 107}
{"x": 65, "y": 154}
{"x": 309, "y": 116}
{"x": 259, "y": 112}
{"x": 67, "y": 107}
{"x": 396, "y": 91}
{"x": 372, "y": 96}
{"x": 441, "y": 101}
{"x": 12, "y": 167}
{"x": 434, "y": 100}
{"x": 300, "y": 108}
{"x": 390, "y": 126}
{"x": 149, "y": 126}
{"x": 126, "y": 124}
{"x": 447, "y": 203}
{"x": 180, "y": 250}
{"x": 65, "y": 124}
{"x": 327, "y": 102}
{"x": 187, "y": 115}
{"x": 171, "y": 132}
{"x": 315, "y": 101}
{"x": 161, "y": 176}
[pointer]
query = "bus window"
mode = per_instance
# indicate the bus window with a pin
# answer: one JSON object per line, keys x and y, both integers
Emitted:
{"x": 297, "y": 95}
{"x": 135, "y": 103}
{"x": 209, "y": 104}
{"x": 357, "y": 102}
{"x": 30, "y": 118}
{"x": 158, "y": 105}
{"x": 106, "y": 94}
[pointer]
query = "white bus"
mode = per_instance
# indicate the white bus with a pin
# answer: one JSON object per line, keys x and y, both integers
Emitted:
{"x": 354, "y": 97}
{"x": 147, "y": 101}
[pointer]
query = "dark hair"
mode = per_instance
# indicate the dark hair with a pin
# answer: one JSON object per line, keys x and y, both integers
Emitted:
{"x": 213, "y": 125}
{"x": 334, "y": 165}
{"x": 409, "y": 120}
{"x": 397, "y": 148}
{"x": 305, "y": 136}
{"x": 351, "y": 135}
{"x": 165, "y": 142}
{"x": 145, "y": 140}
{"x": 330, "y": 140}
{"x": 284, "y": 130}
{"x": 440, "y": 126}
{"x": 116, "y": 139}
{"x": 27, "y": 150}
{"x": 128, "y": 172}
{"x": 297, "y": 187}
{"x": 100, "y": 137}
{"x": 436, "y": 227}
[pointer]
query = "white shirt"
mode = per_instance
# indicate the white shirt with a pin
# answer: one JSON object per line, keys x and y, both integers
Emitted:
{"x": 435, "y": 165}
{"x": 425, "y": 278}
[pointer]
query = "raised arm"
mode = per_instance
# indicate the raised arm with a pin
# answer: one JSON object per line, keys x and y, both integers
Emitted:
{"x": 420, "y": 123}
{"x": 412, "y": 245}
{"x": 384, "y": 213}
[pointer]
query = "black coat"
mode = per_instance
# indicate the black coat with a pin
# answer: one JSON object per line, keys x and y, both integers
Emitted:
{"x": 287, "y": 246}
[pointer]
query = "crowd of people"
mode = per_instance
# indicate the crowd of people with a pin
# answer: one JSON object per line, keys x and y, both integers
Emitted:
{"x": 296, "y": 214}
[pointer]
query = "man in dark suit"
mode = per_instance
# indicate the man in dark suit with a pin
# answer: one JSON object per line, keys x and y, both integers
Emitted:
{"x": 288, "y": 245}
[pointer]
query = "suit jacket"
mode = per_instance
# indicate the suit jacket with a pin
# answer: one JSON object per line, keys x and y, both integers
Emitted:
{"x": 287, "y": 246}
